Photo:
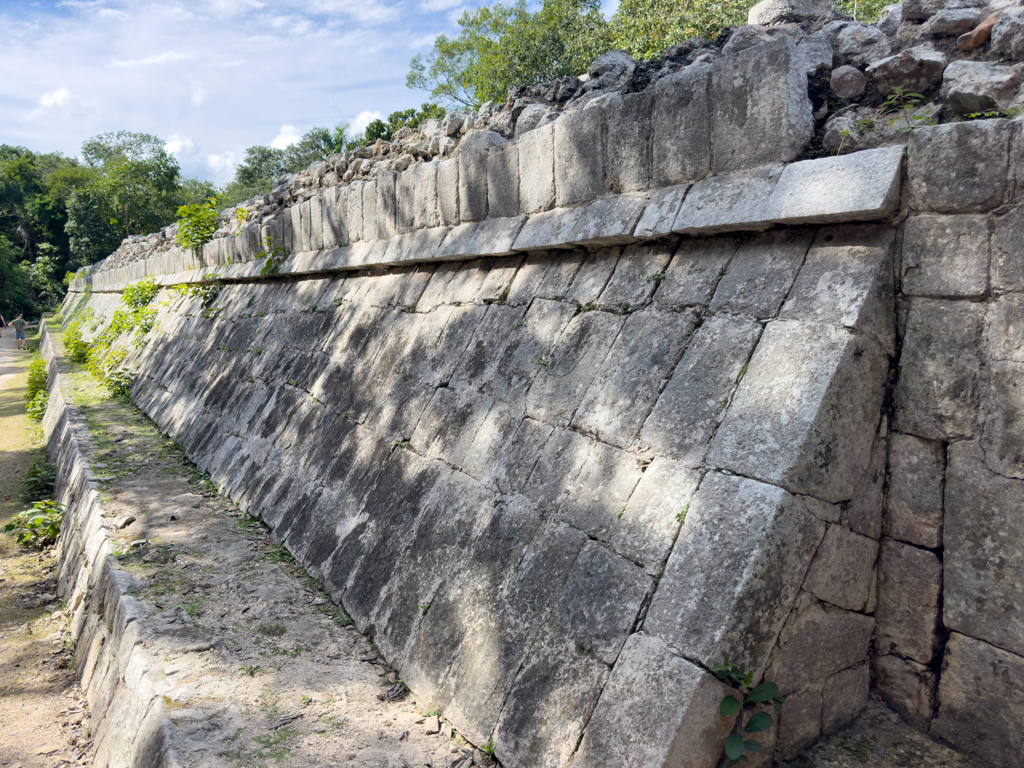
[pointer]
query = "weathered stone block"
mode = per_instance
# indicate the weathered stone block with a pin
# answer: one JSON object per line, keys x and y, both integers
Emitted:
{"x": 387, "y": 204}
{"x": 972, "y": 175}
{"x": 660, "y": 214}
{"x": 458, "y": 242}
{"x": 448, "y": 425}
{"x": 574, "y": 362}
{"x": 805, "y": 415}
{"x": 537, "y": 169}
{"x": 629, "y": 380}
{"x": 945, "y": 256}
{"x": 909, "y": 588}
{"x": 862, "y": 186}
{"x": 1006, "y": 329}
{"x": 607, "y": 222}
{"x": 916, "y": 473}
{"x": 370, "y": 231}
{"x": 335, "y": 217}
{"x": 681, "y": 126}
{"x": 741, "y": 531}
{"x": 799, "y": 722}
{"x": 977, "y": 681}
{"x": 494, "y": 237}
{"x": 817, "y": 642}
{"x": 503, "y": 181}
{"x": 976, "y": 86}
{"x": 694, "y": 272}
{"x": 914, "y": 69}
{"x": 425, "y": 208}
{"x": 729, "y": 203}
{"x": 354, "y": 211}
{"x": 627, "y": 150}
{"x": 682, "y": 730}
{"x": 761, "y": 114}
{"x": 1007, "y": 265}
{"x": 593, "y": 275}
{"x": 473, "y": 174}
{"x": 547, "y": 230}
{"x": 846, "y": 280}
{"x": 844, "y": 697}
{"x": 693, "y": 402}
{"x": 841, "y": 571}
{"x": 937, "y": 391}
{"x": 405, "y": 201}
{"x": 448, "y": 192}
{"x": 908, "y": 687}
{"x": 856, "y": 43}
{"x": 546, "y": 276}
{"x": 579, "y": 156}
{"x": 295, "y": 234}
{"x": 1003, "y": 438}
{"x": 636, "y": 276}
{"x": 984, "y": 563}
{"x": 762, "y": 272}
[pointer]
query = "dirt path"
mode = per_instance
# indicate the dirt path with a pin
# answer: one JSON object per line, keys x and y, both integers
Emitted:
{"x": 256, "y": 666}
{"x": 43, "y": 721}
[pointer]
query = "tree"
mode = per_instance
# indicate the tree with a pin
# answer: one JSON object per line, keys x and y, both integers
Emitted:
{"x": 406, "y": 118}
{"x": 506, "y": 45}
{"x": 645, "y": 28}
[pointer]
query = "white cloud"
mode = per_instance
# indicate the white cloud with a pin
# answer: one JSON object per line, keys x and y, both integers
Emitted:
{"x": 288, "y": 136}
{"x": 366, "y": 11}
{"x": 180, "y": 145}
{"x": 54, "y": 98}
{"x": 199, "y": 93}
{"x": 158, "y": 58}
{"x": 222, "y": 165}
{"x": 439, "y": 5}
{"x": 364, "y": 118}
{"x": 422, "y": 42}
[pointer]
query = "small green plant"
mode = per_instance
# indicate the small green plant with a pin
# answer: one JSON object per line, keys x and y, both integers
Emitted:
{"x": 207, "y": 293}
{"x": 76, "y": 348}
{"x": 489, "y": 749}
{"x": 272, "y": 629}
{"x": 196, "y": 225}
{"x": 1011, "y": 112}
{"x": 681, "y": 514}
{"x": 36, "y": 378}
{"x": 433, "y": 713}
{"x": 140, "y": 294}
{"x": 425, "y": 607}
{"x": 39, "y": 526}
{"x": 543, "y": 361}
{"x": 37, "y": 408}
{"x": 736, "y": 745}
{"x": 39, "y": 481}
{"x": 656, "y": 278}
{"x": 273, "y": 256}
{"x": 903, "y": 101}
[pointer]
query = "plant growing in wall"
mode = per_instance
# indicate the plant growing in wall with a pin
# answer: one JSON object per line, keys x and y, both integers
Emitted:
{"x": 196, "y": 224}
{"x": 737, "y": 745}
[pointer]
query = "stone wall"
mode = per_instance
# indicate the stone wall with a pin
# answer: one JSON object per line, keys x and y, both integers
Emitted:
{"x": 564, "y": 420}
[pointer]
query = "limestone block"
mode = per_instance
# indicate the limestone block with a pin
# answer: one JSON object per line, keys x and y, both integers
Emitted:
{"x": 909, "y": 589}
{"x": 800, "y": 722}
{"x": 761, "y": 114}
{"x": 1006, "y": 329}
{"x": 316, "y": 223}
{"x": 1007, "y": 265}
{"x": 856, "y": 43}
{"x": 914, "y": 506}
{"x": 844, "y": 697}
{"x": 908, "y": 687}
{"x": 681, "y": 126}
{"x": 841, "y": 571}
{"x": 550, "y": 229}
{"x": 914, "y": 69}
{"x": 296, "y": 241}
{"x": 448, "y": 192}
{"x": 977, "y": 681}
{"x": 627, "y": 150}
{"x": 608, "y": 222}
{"x": 811, "y": 391}
{"x": 494, "y": 237}
{"x": 354, "y": 212}
{"x": 546, "y": 276}
{"x": 1003, "y": 438}
{"x": 636, "y": 276}
{"x": 816, "y": 52}
{"x": 694, "y": 272}
{"x": 630, "y": 379}
{"x": 984, "y": 574}
{"x": 971, "y": 176}
{"x": 574, "y": 362}
{"x": 593, "y": 275}
{"x": 503, "y": 181}
{"x": 847, "y": 82}
{"x": 862, "y": 186}
{"x": 946, "y": 256}
{"x": 729, "y": 203}
{"x": 938, "y": 388}
{"x": 387, "y": 204}
{"x": 660, "y": 214}
{"x": 771, "y": 11}
{"x": 682, "y": 730}
{"x": 1008, "y": 33}
{"x": 537, "y": 169}
{"x": 458, "y": 242}
{"x": 693, "y": 402}
{"x": 448, "y": 425}
{"x": 579, "y": 156}
{"x": 370, "y": 230}
{"x": 846, "y": 280}
{"x": 335, "y": 217}
{"x": 952, "y": 22}
{"x": 761, "y": 273}
{"x": 421, "y": 245}
{"x": 740, "y": 531}
{"x": 473, "y": 174}
{"x": 817, "y": 642}
{"x": 976, "y": 86}
{"x": 405, "y": 201}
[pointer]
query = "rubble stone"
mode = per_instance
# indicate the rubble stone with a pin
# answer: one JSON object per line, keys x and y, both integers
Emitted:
{"x": 975, "y": 86}
{"x": 847, "y": 82}
{"x": 913, "y": 69}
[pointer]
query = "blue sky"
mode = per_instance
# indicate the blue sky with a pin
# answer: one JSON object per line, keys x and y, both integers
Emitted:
{"x": 210, "y": 78}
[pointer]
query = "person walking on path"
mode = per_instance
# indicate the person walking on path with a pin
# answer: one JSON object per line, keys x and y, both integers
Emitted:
{"x": 3, "y": 324}
{"x": 19, "y": 331}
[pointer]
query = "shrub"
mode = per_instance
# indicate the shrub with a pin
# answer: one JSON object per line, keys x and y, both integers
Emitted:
{"x": 76, "y": 348}
{"x": 36, "y": 378}
{"x": 196, "y": 224}
{"x": 140, "y": 294}
{"x": 39, "y": 481}
{"x": 37, "y": 407}
{"x": 39, "y": 526}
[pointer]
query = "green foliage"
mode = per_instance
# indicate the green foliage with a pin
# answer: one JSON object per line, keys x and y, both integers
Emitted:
{"x": 206, "y": 292}
{"x": 37, "y": 406}
{"x": 36, "y": 378}
{"x": 902, "y": 101}
{"x": 408, "y": 118}
{"x": 76, "y": 348}
{"x": 736, "y": 745}
{"x": 502, "y": 46}
{"x": 862, "y": 10}
{"x": 196, "y": 224}
{"x": 645, "y": 28}
{"x": 39, "y": 481}
{"x": 140, "y": 294}
{"x": 39, "y": 526}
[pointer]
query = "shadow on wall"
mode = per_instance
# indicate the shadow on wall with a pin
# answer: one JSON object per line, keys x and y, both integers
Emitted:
{"x": 489, "y": 463}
